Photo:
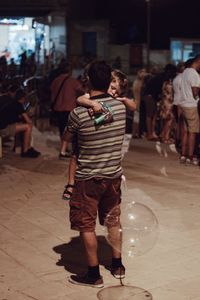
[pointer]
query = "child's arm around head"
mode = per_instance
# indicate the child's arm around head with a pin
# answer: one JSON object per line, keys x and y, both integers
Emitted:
{"x": 85, "y": 101}
{"x": 129, "y": 103}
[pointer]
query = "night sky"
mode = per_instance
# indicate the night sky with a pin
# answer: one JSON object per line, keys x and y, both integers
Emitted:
{"x": 169, "y": 18}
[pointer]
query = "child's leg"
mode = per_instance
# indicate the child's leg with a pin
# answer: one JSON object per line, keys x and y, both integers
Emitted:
{"x": 72, "y": 169}
{"x": 168, "y": 129}
{"x": 70, "y": 178}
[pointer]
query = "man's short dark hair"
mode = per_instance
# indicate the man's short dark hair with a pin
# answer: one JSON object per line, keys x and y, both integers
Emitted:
{"x": 20, "y": 93}
{"x": 99, "y": 74}
{"x": 65, "y": 68}
{"x": 189, "y": 62}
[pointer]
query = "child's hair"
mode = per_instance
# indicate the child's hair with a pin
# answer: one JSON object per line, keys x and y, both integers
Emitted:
{"x": 122, "y": 79}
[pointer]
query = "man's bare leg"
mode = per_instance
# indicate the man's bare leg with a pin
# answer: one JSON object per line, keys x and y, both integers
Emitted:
{"x": 184, "y": 138}
{"x": 191, "y": 143}
{"x": 115, "y": 234}
{"x": 92, "y": 278}
{"x": 90, "y": 243}
{"x": 27, "y": 129}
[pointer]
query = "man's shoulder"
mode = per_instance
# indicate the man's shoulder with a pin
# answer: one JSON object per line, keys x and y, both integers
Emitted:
{"x": 190, "y": 74}
{"x": 178, "y": 77}
{"x": 189, "y": 71}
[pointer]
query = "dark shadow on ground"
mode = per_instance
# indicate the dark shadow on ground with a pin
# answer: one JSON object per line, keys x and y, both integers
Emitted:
{"x": 72, "y": 255}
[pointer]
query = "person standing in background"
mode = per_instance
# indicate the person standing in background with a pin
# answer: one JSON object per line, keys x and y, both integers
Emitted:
{"x": 64, "y": 91}
{"x": 152, "y": 96}
{"x": 137, "y": 93}
{"x": 177, "y": 111}
{"x": 190, "y": 87}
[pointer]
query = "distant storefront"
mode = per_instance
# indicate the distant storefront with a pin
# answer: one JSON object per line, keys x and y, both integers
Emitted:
{"x": 44, "y": 36}
{"x": 184, "y": 49}
{"x": 19, "y": 35}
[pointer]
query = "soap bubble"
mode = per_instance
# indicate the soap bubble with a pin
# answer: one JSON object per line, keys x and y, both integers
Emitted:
{"x": 134, "y": 232}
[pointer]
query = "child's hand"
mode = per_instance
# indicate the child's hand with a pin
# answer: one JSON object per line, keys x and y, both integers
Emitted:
{"x": 122, "y": 99}
{"x": 129, "y": 103}
{"x": 114, "y": 93}
{"x": 97, "y": 107}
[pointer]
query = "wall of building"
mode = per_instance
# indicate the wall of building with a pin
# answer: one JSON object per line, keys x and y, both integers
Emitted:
{"x": 58, "y": 37}
{"x": 109, "y": 52}
{"x": 160, "y": 57}
{"x": 75, "y": 40}
{"x": 123, "y": 51}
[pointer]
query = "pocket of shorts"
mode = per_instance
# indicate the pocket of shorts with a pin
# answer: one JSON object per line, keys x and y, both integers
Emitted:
{"x": 75, "y": 204}
{"x": 117, "y": 185}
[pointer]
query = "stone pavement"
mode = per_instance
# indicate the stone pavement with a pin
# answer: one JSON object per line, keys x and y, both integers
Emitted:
{"x": 38, "y": 251}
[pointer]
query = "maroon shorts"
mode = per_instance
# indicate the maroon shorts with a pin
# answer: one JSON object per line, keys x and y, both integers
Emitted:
{"x": 92, "y": 197}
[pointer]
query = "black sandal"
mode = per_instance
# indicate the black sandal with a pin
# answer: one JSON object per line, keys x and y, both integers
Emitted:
{"x": 67, "y": 194}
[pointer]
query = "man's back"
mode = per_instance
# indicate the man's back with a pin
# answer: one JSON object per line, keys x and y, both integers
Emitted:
{"x": 190, "y": 78}
{"x": 99, "y": 145}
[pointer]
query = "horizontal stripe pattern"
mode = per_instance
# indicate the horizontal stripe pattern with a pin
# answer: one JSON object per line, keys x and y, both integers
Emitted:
{"x": 99, "y": 146}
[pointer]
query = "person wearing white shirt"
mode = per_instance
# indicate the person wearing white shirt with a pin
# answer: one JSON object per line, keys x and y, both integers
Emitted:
{"x": 177, "y": 111}
{"x": 190, "y": 86}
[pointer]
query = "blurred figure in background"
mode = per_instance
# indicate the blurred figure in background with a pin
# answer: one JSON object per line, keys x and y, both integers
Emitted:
{"x": 176, "y": 104}
{"x": 23, "y": 61}
{"x": 31, "y": 66}
{"x": 152, "y": 94}
{"x": 12, "y": 68}
{"x": 117, "y": 64}
{"x": 64, "y": 91}
{"x": 190, "y": 87}
{"x": 137, "y": 93}
{"x": 166, "y": 107}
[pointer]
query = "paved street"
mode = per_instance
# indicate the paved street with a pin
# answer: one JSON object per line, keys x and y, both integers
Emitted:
{"x": 38, "y": 251}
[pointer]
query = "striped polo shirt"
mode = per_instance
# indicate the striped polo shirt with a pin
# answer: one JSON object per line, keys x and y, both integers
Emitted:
{"x": 99, "y": 146}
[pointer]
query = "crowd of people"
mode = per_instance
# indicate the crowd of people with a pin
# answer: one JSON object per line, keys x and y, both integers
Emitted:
{"x": 165, "y": 101}
{"x": 168, "y": 107}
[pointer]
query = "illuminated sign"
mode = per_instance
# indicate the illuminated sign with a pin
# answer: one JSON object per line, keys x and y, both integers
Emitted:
{"x": 12, "y": 21}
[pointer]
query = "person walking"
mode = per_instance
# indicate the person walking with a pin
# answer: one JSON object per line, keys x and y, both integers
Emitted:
{"x": 190, "y": 87}
{"x": 166, "y": 109}
{"x": 177, "y": 111}
{"x": 137, "y": 93}
{"x": 152, "y": 97}
{"x": 97, "y": 187}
